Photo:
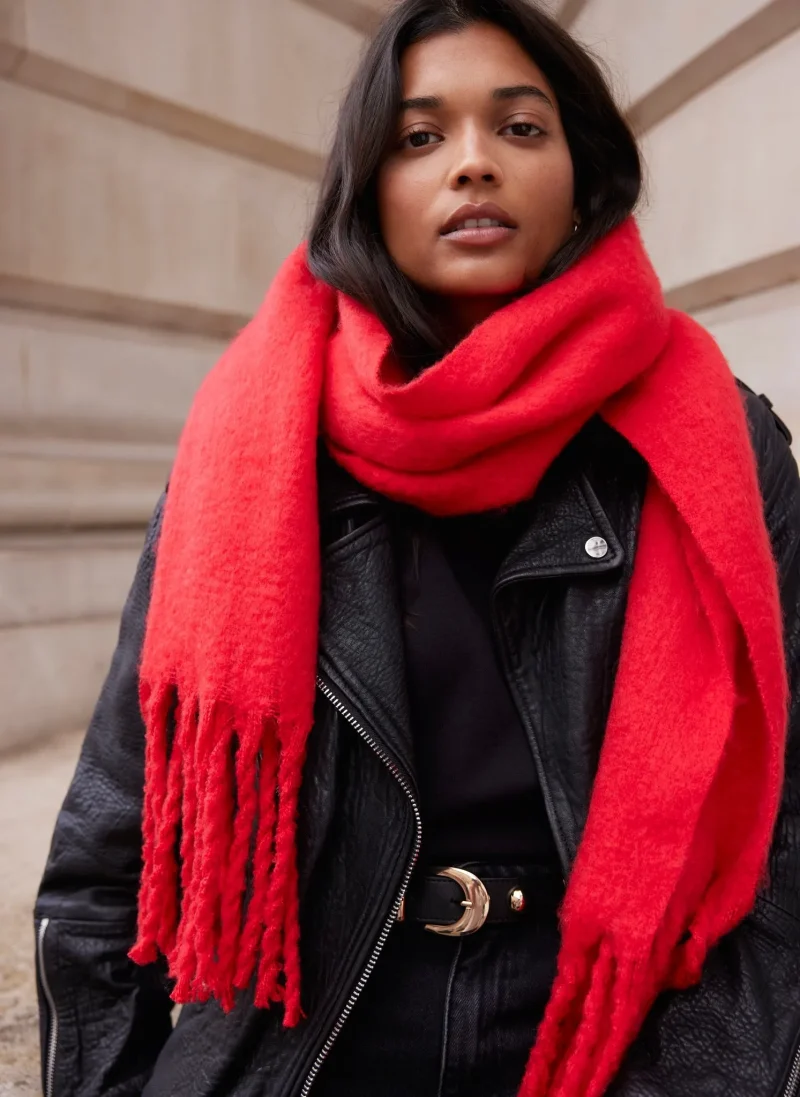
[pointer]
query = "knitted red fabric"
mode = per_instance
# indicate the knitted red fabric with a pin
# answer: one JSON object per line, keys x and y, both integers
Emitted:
{"x": 688, "y": 784}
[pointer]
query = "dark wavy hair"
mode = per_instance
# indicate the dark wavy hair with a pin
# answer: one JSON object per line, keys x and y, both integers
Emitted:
{"x": 346, "y": 248}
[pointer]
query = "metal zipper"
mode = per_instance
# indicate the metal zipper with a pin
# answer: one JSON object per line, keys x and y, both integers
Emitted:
{"x": 52, "y": 1039}
{"x": 793, "y": 1082}
{"x": 362, "y": 982}
{"x": 549, "y": 804}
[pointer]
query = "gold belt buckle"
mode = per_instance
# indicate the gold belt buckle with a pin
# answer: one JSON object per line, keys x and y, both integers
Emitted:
{"x": 475, "y": 903}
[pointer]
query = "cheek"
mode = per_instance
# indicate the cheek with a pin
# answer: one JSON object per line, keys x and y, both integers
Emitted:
{"x": 552, "y": 193}
{"x": 402, "y": 200}
{"x": 566, "y": 188}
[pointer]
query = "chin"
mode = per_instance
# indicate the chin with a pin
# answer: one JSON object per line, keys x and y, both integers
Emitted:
{"x": 478, "y": 282}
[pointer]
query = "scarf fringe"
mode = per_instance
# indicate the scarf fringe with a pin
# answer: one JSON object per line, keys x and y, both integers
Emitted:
{"x": 224, "y": 789}
{"x": 604, "y": 989}
{"x": 599, "y": 1001}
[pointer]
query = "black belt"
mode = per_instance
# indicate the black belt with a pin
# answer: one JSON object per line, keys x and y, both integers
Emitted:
{"x": 455, "y": 902}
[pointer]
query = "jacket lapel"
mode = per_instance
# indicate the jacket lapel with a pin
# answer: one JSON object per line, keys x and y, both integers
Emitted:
{"x": 361, "y": 647}
{"x": 566, "y": 515}
{"x": 560, "y": 612}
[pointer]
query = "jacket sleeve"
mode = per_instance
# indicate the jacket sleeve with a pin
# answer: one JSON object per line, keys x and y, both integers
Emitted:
{"x": 737, "y": 1033}
{"x": 103, "y": 1020}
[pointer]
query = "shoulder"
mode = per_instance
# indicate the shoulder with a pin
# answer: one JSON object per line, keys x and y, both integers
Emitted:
{"x": 770, "y": 437}
{"x": 761, "y": 416}
{"x": 156, "y": 520}
{"x": 777, "y": 474}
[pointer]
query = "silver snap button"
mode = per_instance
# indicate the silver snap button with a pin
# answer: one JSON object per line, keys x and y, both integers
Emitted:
{"x": 596, "y": 547}
{"x": 516, "y": 900}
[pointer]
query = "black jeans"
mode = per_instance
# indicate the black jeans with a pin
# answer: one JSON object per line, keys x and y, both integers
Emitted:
{"x": 447, "y": 1017}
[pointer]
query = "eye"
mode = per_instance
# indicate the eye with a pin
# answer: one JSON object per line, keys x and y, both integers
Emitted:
{"x": 418, "y": 139}
{"x": 524, "y": 129}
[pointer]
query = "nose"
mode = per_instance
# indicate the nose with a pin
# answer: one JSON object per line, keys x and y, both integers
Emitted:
{"x": 474, "y": 161}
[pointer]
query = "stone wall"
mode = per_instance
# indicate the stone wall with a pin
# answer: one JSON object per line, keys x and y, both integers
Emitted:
{"x": 158, "y": 161}
{"x": 712, "y": 88}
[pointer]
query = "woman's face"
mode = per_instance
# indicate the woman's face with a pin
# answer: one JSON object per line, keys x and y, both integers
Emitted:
{"x": 479, "y": 126}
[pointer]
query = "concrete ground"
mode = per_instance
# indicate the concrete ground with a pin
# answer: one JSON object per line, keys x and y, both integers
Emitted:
{"x": 32, "y": 786}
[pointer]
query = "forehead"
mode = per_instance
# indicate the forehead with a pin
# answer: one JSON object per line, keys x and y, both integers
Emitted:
{"x": 475, "y": 60}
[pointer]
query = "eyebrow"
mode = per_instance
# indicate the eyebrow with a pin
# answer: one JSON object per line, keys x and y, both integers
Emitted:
{"x": 521, "y": 91}
{"x": 517, "y": 91}
{"x": 422, "y": 102}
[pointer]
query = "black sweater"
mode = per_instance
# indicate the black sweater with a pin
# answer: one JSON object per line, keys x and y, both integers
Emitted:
{"x": 480, "y": 795}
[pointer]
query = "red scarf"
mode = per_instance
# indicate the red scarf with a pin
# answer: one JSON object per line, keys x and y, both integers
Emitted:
{"x": 688, "y": 784}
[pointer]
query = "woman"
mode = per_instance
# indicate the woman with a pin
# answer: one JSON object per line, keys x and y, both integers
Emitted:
{"x": 461, "y": 504}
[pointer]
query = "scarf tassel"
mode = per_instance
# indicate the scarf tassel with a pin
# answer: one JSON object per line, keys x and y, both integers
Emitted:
{"x": 220, "y": 802}
{"x": 602, "y": 993}
{"x": 597, "y": 1005}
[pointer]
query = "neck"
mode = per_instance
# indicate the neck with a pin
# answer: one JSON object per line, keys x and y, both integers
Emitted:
{"x": 459, "y": 315}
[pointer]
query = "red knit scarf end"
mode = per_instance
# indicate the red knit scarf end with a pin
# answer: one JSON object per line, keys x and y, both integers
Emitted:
{"x": 602, "y": 994}
{"x": 221, "y": 796}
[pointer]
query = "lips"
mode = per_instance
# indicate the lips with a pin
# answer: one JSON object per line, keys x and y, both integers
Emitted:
{"x": 485, "y": 211}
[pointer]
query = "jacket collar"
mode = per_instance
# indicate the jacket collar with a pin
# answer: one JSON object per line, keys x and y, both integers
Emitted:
{"x": 565, "y": 513}
{"x": 338, "y": 490}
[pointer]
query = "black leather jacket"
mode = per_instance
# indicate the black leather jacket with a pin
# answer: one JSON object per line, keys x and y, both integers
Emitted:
{"x": 105, "y": 1023}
